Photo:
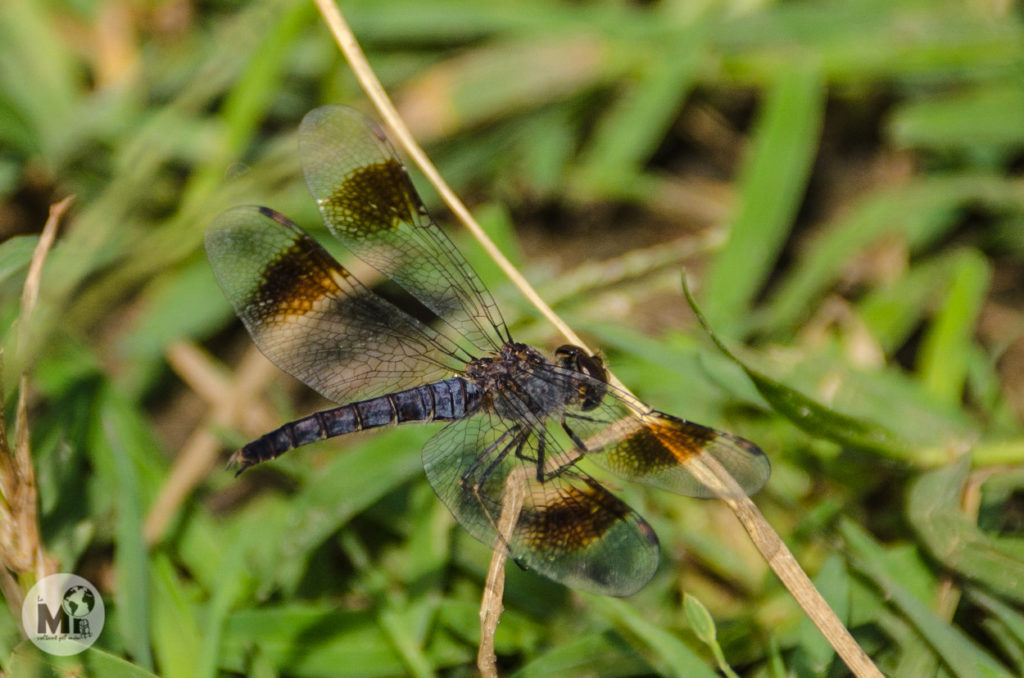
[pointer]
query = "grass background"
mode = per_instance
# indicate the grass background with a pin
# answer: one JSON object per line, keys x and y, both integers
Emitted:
{"x": 842, "y": 182}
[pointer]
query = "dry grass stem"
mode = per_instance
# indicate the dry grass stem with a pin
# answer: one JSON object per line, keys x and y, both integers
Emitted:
{"x": 21, "y": 549}
{"x": 778, "y": 556}
{"x": 494, "y": 588}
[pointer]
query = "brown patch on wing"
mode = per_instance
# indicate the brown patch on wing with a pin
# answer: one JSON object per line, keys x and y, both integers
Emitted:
{"x": 659, "y": 445}
{"x": 297, "y": 279}
{"x": 380, "y": 195}
{"x": 575, "y": 519}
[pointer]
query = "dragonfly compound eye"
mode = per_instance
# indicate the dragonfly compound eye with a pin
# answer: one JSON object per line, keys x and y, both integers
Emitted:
{"x": 589, "y": 392}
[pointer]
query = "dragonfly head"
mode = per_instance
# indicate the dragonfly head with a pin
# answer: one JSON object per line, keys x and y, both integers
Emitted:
{"x": 589, "y": 392}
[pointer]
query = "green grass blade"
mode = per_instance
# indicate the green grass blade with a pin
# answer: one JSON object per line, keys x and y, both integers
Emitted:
{"x": 131, "y": 555}
{"x": 891, "y": 312}
{"x": 674, "y": 658}
{"x": 595, "y": 654}
{"x": 1008, "y": 620}
{"x": 232, "y": 582}
{"x": 399, "y": 623}
{"x": 933, "y": 508}
{"x": 102, "y": 663}
{"x": 960, "y": 654}
{"x": 246, "y": 104}
{"x": 806, "y": 413}
{"x": 631, "y": 129}
{"x": 919, "y": 213}
{"x": 311, "y": 640}
{"x": 945, "y": 349}
{"x": 39, "y": 80}
{"x": 176, "y": 636}
{"x": 354, "y": 480}
{"x": 15, "y": 254}
{"x": 955, "y": 121}
{"x": 772, "y": 185}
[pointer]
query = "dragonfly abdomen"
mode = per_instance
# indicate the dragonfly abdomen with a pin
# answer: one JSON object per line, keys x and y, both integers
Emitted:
{"x": 441, "y": 401}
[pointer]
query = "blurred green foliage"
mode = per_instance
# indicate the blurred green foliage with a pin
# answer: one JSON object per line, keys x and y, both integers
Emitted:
{"x": 867, "y": 159}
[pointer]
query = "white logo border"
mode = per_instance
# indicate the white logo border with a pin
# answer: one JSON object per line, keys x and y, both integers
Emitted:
{"x": 49, "y": 592}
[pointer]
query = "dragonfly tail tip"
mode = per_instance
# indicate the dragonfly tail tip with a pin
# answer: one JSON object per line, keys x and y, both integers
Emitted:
{"x": 238, "y": 462}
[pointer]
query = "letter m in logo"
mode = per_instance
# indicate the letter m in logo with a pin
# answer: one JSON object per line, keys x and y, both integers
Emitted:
{"x": 50, "y": 622}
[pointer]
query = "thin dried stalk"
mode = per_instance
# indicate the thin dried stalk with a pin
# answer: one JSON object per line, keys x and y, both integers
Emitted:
{"x": 778, "y": 556}
{"x": 21, "y": 549}
{"x": 494, "y": 588}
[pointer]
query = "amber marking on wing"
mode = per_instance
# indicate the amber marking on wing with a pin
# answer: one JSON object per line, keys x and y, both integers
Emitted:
{"x": 376, "y": 195}
{"x": 578, "y": 517}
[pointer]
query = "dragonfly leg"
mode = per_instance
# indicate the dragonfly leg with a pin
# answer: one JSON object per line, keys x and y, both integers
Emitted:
{"x": 576, "y": 440}
{"x": 544, "y": 474}
{"x": 471, "y": 471}
{"x": 539, "y": 461}
{"x": 517, "y": 444}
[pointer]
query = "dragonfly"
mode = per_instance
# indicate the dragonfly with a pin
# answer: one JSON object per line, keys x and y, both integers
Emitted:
{"x": 516, "y": 422}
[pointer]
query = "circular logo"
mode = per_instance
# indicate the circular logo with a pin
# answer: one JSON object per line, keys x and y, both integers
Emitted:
{"x": 63, "y": 614}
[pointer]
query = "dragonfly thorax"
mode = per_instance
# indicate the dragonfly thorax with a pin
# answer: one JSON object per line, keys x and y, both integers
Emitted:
{"x": 545, "y": 388}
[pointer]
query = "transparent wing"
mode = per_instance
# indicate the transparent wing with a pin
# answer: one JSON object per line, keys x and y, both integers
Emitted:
{"x": 369, "y": 203}
{"x": 312, "y": 318}
{"x": 652, "y": 447}
{"x": 569, "y": 528}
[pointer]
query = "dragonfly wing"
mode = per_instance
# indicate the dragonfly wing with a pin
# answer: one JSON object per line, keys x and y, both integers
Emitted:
{"x": 658, "y": 448}
{"x": 312, "y": 318}
{"x": 569, "y": 528}
{"x": 654, "y": 448}
{"x": 369, "y": 203}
